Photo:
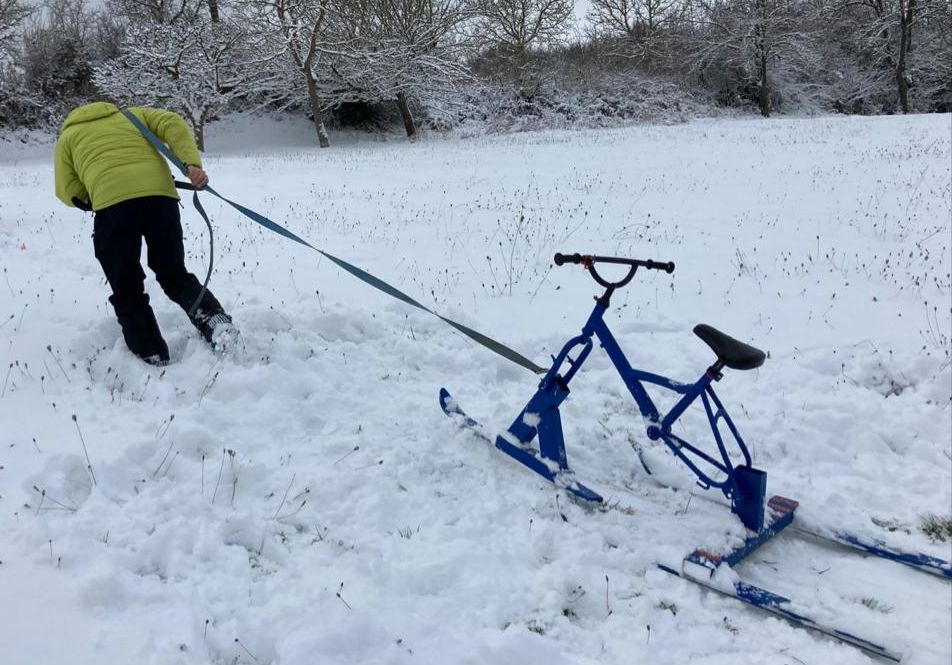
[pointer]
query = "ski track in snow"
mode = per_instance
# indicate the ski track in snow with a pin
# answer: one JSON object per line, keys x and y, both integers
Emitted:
{"x": 305, "y": 500}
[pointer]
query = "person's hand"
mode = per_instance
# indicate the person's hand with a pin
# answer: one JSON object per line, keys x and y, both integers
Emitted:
{"x": 198, "y": 177}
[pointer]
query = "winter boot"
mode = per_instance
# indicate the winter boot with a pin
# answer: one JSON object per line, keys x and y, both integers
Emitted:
{"x": 224, "y": 333}
{"x": 217, "y": 329}
{"x": 142, "y": 334}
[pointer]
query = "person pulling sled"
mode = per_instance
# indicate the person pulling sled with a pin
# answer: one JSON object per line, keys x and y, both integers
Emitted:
{"x": 104, "y": 164}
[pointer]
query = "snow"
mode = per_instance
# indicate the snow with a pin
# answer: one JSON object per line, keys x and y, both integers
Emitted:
{"x": 305, "y": 500}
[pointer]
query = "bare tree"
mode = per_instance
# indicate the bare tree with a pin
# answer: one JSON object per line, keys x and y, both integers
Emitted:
{"x": 514, "y": 28}
{"x": 525, "y": 24}
{"x": 636, "y": 27}
{"x": 634, "y": 18}
{"x": 160, "y": 12}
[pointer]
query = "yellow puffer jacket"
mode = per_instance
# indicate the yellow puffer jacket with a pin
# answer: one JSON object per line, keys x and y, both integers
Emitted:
{"x": 102, "y": 158}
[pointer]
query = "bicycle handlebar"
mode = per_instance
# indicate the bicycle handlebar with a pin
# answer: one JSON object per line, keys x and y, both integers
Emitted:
{"x": 587, "y": 259}
{"x": 588, "y": 262}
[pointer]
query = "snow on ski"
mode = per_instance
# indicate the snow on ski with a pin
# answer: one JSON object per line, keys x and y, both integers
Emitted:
{"x": 706, "y": 572}
{"x": 525, "y": 455}
{"x": 879, "y": 548}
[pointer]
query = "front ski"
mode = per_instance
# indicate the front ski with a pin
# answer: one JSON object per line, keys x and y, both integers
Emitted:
{"x": 452, "y": 409}
{"x": 701, "y": 567}
{"x": 528, "y": 456}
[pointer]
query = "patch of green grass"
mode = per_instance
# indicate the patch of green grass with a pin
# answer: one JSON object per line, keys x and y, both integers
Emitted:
{"x": 937, "y": 527}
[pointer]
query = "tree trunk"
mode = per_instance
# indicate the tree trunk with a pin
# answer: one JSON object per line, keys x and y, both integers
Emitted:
{"x": 525, "y": 76}
{"x": 322, "y": 139}
{"x": 316, "y": 110}
{"x": 763, "y": 93}
{"x": 198, "y": 127}
{"x": 200, "y": 137}
{"x": 200, "y": 130}
{"x": 905, "y": 44}
{"x": 763, "y": 96}
{"x": 903, "y": 86}
{"x": 404, "y": 107}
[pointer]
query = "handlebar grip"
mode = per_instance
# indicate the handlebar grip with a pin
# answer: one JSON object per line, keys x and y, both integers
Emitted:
{"x": 668, "y": 266}
{"x": 561, "y": 259}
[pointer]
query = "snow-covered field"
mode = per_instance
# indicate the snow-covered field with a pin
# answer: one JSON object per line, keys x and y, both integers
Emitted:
{"x": 305, "y": 501}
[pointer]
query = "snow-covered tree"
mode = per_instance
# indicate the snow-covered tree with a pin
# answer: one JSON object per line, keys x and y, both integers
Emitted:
{"x": 14, "y": 97}
{"x": 46, "y": 64}
{"x": 299, "y": 30}
{"x": 57, "y": 54}
{"x": 903, "y": 45}
{"x": 396, "y": 50}
{"x": 744, "y": 48}
{"x": 12, "y": 14}
{"x": 196, "y": 68}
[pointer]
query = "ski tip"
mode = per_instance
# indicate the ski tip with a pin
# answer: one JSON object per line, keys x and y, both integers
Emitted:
{"x": 446, "y": 402}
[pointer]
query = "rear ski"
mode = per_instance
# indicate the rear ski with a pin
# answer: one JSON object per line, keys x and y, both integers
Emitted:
{"x": 701, "y": 565}
{"x": 868, "y": 545}
{"x": 879, "y": 548}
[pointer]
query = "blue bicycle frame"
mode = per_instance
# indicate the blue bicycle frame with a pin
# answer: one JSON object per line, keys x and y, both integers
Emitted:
{"x": 744, "y": 485}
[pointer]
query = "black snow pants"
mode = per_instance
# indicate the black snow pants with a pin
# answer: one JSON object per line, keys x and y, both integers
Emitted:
{"x": 117, "y": 238}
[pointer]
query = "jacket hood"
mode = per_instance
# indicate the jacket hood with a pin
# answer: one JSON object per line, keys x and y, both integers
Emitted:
{"x": 89, "y": 112}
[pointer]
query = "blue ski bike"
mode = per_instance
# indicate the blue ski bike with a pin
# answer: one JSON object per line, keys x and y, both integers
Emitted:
{"x": 536, "y": 441}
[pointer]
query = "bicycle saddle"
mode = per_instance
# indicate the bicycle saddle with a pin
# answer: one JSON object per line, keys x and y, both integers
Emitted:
{"x": 731, "y": 352}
